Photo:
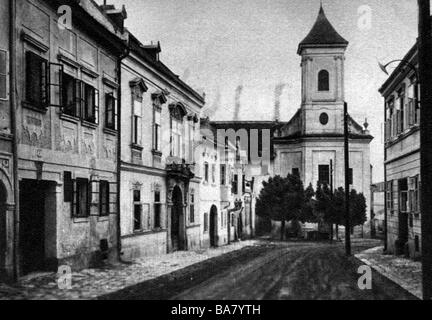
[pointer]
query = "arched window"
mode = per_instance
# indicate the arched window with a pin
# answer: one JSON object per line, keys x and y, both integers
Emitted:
{"x": 323, "y": 80}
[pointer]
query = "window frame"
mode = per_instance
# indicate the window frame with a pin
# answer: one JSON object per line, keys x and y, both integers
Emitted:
{"x": 104, "y": 198}
{"x": 43, "y": 99}
{"x": 5, "y": 74}
{"x": 111, "y": 105}
{"x": 323, "y": 81}
{"x": 327, "y": 168}
{"x": 137, "y": 204}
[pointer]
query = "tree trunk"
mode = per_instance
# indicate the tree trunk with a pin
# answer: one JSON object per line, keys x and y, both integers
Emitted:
{"x": 282, "y": 229}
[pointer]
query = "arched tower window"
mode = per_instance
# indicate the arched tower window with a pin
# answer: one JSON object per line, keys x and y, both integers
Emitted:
{"x": 323, "y": 81}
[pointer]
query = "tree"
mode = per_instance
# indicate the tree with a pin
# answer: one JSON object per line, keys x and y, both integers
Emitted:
{"x": 308, "y": 213}
{"x": 281, "y": 199}
{"x": 357, "y": 208}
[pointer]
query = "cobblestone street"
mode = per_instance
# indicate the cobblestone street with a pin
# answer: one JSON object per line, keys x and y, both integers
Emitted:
{"x": 91, "y": 283}
{"x": 256, "y": 270}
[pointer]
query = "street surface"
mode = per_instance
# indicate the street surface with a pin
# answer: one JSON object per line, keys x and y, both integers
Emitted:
{"x": 270, "y": 270}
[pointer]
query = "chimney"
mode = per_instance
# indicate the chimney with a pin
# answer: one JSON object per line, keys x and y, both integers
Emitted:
{"x": 118, "y": 16}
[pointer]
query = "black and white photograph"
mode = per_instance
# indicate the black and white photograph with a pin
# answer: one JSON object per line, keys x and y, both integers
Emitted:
{"x": 221, "y": 154}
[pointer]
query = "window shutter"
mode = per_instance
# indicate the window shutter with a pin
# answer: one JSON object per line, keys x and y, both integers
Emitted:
{"x": 55, "y": 85}
{"x": 115, "y": 113}
{"x": 78, "y": 98}
{"x": 112, "y": 198}
{"x": 74, "y": 198}
{"x": 94, "y": 195}
{"x": 3, "y": 75}
{"x": 96, "y": 106}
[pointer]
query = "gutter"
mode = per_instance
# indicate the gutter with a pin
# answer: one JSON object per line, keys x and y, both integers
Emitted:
{"x": 12, "y": 100}
{"x": 119, "y": 162}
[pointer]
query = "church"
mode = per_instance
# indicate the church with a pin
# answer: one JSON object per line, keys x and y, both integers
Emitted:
{"x": 311, "y": 144}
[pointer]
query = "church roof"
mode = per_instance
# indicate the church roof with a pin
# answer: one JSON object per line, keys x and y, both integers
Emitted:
{"x": 322, "y": 34}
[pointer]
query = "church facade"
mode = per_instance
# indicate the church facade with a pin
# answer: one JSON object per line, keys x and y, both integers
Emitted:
{"x": 311, "y": 144}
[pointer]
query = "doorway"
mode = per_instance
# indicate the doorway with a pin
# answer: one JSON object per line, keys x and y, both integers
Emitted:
{"x": 32, "y": 226}
{"x": 213, "y": 226}
{"x": 176, "y": 219}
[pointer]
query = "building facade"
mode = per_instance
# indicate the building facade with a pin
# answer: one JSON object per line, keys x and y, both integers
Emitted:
{"x": 160, "y": 181}
{"x": 402, "y": 158}
{"x": 7, "y": 183}
{"x": 311, "y": 144}
{"x": 66, "y": 81}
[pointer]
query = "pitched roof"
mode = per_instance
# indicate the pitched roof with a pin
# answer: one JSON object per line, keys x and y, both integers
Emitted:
{"x": 322, "y": 34}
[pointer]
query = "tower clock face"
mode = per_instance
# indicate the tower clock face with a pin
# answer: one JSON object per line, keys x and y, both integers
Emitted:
{"x": 324, "y": 118}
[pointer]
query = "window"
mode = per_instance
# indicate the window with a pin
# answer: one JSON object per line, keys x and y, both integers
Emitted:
{"x": 192, "y": 208}
{"x": 389, "y": 196}
{"x": 104, "y": 194}
{"x": 243, "y": 184}
{"x": 69, "y": 95}
{"x": 238, "y": 149}
{"x": 67, "y": 186}
{"x": 36, "y": 80}
{"x": 234, "y": 187}
{"x": 176, "y": 137}
{"x": 191, "y": 142}
{"x": 323, "y": 81}
{"x": 157, "y": 210}
{"x": 82, "y": 198}
{"x": 3, "y": 75}
{"x": 403, "y": 195}
{"x": 213, "y": 173}
{"x": 110, "y": 111}
{"x": 414, "y": 194}
{"x": 137, "y": 213}
{"x": 90, "y": 103}
{"x": 323, "y": 174}
{"x": 206, "y": 172}
{"x": 222, "y": 174}
{"x": 157, "y": 130}
{"x": 296, "y": 172}
{"x": 417, "y": 243}
{"x": 136, "y": 123}
{"x": 400, "y": 112}
{"x": 390, "y": 122}
{"x": 206, "y": 222}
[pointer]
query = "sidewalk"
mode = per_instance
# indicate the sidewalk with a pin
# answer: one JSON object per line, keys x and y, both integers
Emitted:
{"x": 91, "y": 283}
{"x": 404, "y": 272}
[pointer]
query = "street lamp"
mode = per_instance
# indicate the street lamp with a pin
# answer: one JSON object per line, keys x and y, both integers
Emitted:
{"x": 383, "y": 67}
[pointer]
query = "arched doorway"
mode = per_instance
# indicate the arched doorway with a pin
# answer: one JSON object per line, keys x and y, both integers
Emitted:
{"x": 213, "y": 226}
{"x": 177, "y": 219}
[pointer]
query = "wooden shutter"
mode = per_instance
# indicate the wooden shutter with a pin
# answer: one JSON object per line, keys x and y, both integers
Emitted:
{"x": 78, "y": 98}
{"x": 112, "y": 206}
{"x": 94, "y": 188}
{"x": 3, "y": 75}
{"x": 74, "y": 198}
{"x": 115, "y": 111}
{"x": 55, "y": 85}
{"x": 96, "y": 106}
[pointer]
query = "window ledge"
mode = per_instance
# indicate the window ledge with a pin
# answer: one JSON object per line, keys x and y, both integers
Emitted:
{"x": 103, "y": 218}
{"x": 195, "y": 225}
{"x": 30, "y": 106}
{"x": 69, "y": 118}
{"x": 81, "y": 219}
{"x": 157, "y": 153}
{"x": 88, "y": 124}
{"x": 110, "y": 131}
{"x": 144, "y": 232}
{"x": 137, "y": 147}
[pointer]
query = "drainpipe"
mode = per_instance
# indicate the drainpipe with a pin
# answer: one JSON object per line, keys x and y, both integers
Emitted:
{"x": 119, "y": 97}
{"x": 12, "y": 97}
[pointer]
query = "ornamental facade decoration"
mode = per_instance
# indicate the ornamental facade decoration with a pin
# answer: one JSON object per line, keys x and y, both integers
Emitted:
{"x": 178, "y": 111}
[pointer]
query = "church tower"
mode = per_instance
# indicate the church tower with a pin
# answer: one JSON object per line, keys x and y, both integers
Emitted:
{"x": 322, "y": 54}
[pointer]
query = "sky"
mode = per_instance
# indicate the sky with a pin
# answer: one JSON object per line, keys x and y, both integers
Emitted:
{"x": 218, "y": 45}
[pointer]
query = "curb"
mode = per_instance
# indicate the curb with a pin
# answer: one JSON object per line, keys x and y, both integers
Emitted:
{"x": 390, "y": 277}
